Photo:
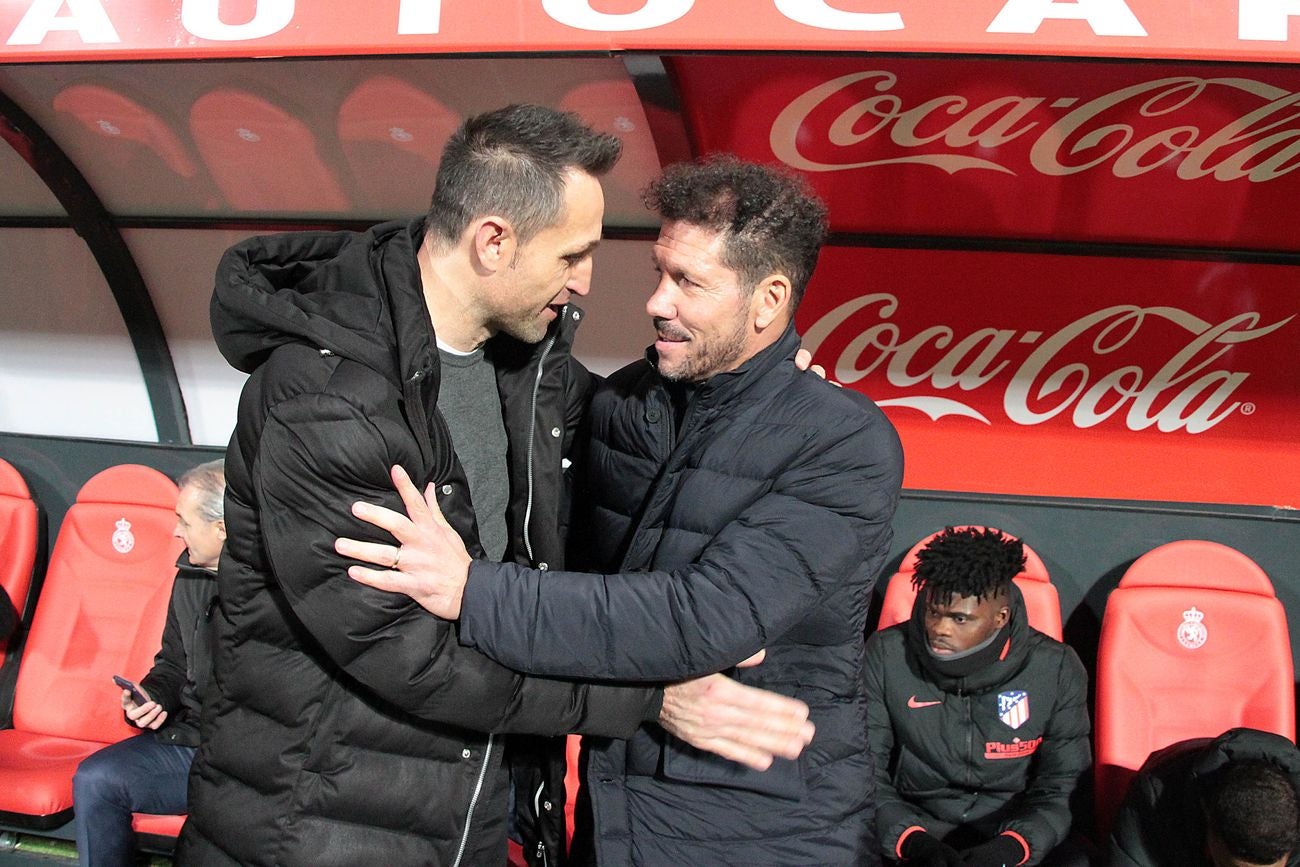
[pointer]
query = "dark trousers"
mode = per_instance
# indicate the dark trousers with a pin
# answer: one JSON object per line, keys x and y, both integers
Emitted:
{"x": 137, "y": 775}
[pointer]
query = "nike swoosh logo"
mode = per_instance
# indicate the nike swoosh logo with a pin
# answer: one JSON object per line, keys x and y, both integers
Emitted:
{"x": 912, "y": 702}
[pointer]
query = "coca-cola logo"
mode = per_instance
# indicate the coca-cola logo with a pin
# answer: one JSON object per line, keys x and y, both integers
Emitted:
{"x": 856, "y": 119}
{"x": 1079, "y": 370}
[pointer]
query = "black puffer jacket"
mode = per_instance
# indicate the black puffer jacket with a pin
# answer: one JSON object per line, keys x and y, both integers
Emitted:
{"x": 1162, "y": 821}
{"x": 762, "y": 524}
{"x": 183, "y": 666}
{"x": 346, "y": 724}
{"x": 948, "y": 756}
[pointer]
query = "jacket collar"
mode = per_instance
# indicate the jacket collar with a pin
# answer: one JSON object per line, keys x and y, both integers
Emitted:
{"x": 508, "y": 354}
{"x": 186, "y": 569}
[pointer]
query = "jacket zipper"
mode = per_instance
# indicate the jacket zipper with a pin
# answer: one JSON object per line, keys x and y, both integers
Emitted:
{"x": 420, "y": 423}
{"x": 970, "y": 742}
{"x": 532, "y": 431}
{"x": 473, "y": 801}
{"x": 528, "y": 547}
{"x": 537, "y": 812}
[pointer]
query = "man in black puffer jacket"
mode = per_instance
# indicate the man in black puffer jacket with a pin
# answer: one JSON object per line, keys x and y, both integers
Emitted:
{"x": 978, "y": 723}
{"x": 348, "y": 726}
{"x": 745, "y": 505}
{"x": 1213, "y": 802}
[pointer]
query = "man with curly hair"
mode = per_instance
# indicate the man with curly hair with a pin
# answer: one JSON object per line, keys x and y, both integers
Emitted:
{"x": 978, "y": 724}
{"x": 734, "y": 504}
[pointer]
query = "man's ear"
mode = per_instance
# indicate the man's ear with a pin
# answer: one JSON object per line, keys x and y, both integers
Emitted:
{"x": 1004, "y": 614}
{"x": 494, "y": 242}
{"x": 770, "y": 302}
{"x": 221, "y": 528}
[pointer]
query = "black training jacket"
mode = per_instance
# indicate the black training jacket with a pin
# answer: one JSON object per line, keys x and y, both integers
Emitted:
{"x": 183, "y": 665}
{"x": 1161, "y": 821}
{"x": 347, "y": 725}
{"x": 761, "y": 524}
{"x": 1000, "y": 750}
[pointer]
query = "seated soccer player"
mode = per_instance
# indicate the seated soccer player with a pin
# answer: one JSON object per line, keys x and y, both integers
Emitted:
{"x": 1225, "y": 802}
{"x": 978, "y": 724}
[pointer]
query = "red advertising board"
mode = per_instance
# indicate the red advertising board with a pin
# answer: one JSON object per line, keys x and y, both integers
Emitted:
{"x": 1263, "y": 30}
{"x": 1189, "y": 154}
{"x": 1035, "y": 374}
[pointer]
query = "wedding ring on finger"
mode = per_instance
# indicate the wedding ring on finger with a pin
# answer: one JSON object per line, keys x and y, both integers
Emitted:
{"x": 397, "y": 558}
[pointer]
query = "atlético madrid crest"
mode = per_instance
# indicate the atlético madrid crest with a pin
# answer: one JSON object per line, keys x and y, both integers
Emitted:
{"x": 1013, "y": 707}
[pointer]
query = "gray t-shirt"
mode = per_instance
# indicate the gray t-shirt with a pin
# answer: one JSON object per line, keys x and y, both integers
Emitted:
{"x": 468, "y": 400}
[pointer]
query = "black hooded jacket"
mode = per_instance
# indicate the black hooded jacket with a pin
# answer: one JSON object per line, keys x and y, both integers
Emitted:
{"x": 1002, "y": 749}
{"x": 347, "y": 725}
{"x": 1161, "y": 821}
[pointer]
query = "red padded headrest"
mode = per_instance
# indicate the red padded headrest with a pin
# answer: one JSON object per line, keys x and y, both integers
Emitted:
{"x": 12, "y": 483}
{"x": 1034, "y": 568}
{"x": 1198, "y": 563}
{"x": 130, "y": 483}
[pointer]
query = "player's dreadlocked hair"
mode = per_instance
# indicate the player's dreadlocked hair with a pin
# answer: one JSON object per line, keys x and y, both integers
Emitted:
{"x": 970, "y": 561}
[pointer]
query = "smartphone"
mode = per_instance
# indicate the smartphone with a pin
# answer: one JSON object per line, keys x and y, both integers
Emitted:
{"x": 136, "y": 695}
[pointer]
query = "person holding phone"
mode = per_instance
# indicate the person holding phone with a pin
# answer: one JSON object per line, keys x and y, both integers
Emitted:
{"x": 148, "y": 773}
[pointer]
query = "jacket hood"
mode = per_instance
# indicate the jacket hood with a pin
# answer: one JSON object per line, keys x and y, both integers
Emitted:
{"x": 333, "y": 290}
{"x": 1240, "y": 744}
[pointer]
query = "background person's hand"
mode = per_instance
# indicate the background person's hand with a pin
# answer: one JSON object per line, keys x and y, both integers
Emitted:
{"x": 1002, "y": 851}
{"x": 149, "y": 715}
{"x": 803, "y": 361}
{"x": 921, "y": 849}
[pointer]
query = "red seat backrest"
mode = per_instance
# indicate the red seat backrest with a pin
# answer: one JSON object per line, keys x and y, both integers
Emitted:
{"x": 1042, "y": 603}
{"x": 1193, "y": 642}
{"x": 18, "y": 539}
{"x": 102, "y": 607}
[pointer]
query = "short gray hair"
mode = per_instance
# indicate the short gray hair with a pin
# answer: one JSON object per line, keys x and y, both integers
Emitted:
{"x": 209, "y": 480}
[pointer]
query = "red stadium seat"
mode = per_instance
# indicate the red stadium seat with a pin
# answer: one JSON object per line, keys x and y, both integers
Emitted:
{"x": 100, "y": 613}
{"x": 162, "y": 830}
{"x": 18, "y": 540}
{"x": 1042, "y": 603}
{"x": 572, "y": 780}
{"x": 1193, "y": 642}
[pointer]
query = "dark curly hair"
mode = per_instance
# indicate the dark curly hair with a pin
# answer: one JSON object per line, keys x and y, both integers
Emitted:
{"x": 1251, "y": 806}
{"x": 971, "y": 561}
{"x": 512, "y": 162}
{"x": 771, "y": 221}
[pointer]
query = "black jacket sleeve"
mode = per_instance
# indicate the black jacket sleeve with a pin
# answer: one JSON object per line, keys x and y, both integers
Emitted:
{"x": 317, "y": 455}
{"x": 826, "y": 516}
{"x": 1127, "y": 846}
{"x": 894, "y": 813}
{"x": 167, "y": 678}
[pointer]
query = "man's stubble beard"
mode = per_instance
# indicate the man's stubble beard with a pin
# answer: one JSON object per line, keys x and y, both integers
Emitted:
{"x": 714, "y": 358}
